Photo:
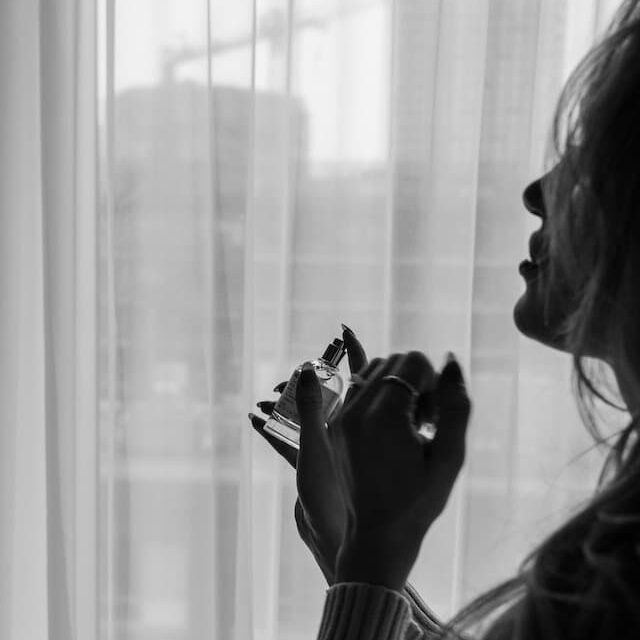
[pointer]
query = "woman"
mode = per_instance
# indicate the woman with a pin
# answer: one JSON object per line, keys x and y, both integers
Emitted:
{"x": 369, "y": 492}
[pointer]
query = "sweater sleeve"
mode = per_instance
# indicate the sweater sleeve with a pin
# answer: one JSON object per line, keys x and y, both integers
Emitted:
{"x": 355, "y": 610}
{"x": 424, "y": 621}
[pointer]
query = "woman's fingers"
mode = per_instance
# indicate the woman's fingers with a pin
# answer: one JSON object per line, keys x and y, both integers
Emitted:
{"x": 357, "y": 363}
{"x": 289, "y": 453}
{"x": 355, "y": 354}
{"x": 355, "y": 351}
{"x": 309, "y": 403}
{"x": 419, "y": 373}
{"x": 279, "y": 388}
{"x": 454, "y": 410}
{"x": 426, "y": 407}
{"x": 364, "y": 374}
{"x": 392, "y": 399}
{"x": 266, "y": 406}
{"x": 372, "y": 376}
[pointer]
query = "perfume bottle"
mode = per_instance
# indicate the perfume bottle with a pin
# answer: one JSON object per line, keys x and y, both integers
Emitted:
{"x": 284, "y": 422}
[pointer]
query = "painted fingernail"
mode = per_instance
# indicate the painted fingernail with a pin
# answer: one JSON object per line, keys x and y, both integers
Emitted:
{"x": 347, "y": 329}
{"x": 305, "y": 374}
{"x": 251, "y": 416}
{"x": 451, "y": 372}
{"x": 259, "y": 405}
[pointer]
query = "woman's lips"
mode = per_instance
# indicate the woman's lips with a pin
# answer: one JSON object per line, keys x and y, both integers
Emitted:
{"x": 536, "y": 244}
{"x": 528, "y": 269}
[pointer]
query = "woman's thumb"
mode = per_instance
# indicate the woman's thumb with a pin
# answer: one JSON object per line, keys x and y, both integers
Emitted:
{"x": 308, "y": 393}
{"x": 309, "y": 403}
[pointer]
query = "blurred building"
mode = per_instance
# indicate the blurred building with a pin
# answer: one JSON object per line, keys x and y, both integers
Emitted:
{"x": 178, "y": 241}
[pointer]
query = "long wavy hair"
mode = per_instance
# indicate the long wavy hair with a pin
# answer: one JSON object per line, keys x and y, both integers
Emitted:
{"x": 583, "y": 580}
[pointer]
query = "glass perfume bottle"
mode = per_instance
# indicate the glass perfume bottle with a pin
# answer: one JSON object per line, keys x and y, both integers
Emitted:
{"x": 284, "y": 422}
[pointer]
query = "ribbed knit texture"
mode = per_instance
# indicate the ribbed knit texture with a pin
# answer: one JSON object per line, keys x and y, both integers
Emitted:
{"x": 416, "y": 632}
{"x": 358, "y": 611}
{"x": 424, "y": 624}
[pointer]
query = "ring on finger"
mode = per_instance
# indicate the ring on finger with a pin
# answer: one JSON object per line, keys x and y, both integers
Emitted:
{"x": 357, "y": 380}
{"x": 404, "y": 383}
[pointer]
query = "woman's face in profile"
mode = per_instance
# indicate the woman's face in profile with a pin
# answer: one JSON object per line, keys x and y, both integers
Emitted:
{"x": 528, "y": 313}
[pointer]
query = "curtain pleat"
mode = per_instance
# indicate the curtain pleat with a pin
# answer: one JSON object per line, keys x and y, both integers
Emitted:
{"x": 210, "y": 295}
{"x": 48, "y": 207}
{"x": 244, "y": 594}
{"x": 23, "y": 530}
{"x": 107, "y": 376}
{"x": 85, "y": 612}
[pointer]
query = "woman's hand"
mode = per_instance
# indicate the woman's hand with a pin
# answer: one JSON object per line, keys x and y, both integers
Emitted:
{"x": 395, "y": 482}
{"x": 319, "y": 510}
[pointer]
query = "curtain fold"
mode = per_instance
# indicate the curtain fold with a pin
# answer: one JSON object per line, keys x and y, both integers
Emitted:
{"x": 362, "y": 163}
{"x": 48, "y": 207}
{"x": 23, "y": 530}
{"x": 194, "y": 195}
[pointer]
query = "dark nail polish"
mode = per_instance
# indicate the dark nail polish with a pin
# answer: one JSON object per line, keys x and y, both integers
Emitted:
{"x": 251, "y": 416}
{"x": 347, "y": 329}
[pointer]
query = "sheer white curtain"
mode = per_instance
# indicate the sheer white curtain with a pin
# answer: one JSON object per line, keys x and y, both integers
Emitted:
{"x": 48, "y": 491}
{"x": 267, "y": 169}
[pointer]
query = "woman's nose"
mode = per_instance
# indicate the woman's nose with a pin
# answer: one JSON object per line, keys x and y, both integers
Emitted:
{"x": 533, "y": 199}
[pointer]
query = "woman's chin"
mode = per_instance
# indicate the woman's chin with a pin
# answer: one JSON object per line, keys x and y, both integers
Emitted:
{"x": 528, "y": 318}
{"x": 524, "y": 316}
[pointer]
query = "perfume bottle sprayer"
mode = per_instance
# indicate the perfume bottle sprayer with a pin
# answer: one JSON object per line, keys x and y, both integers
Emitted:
{"x": 284, "y": 422}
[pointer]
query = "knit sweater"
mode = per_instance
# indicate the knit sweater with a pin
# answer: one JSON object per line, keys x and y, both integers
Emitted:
{"x": 355, "y": 611}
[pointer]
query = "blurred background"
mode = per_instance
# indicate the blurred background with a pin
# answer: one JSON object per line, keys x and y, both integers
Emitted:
{"x": 247, "y": 176}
